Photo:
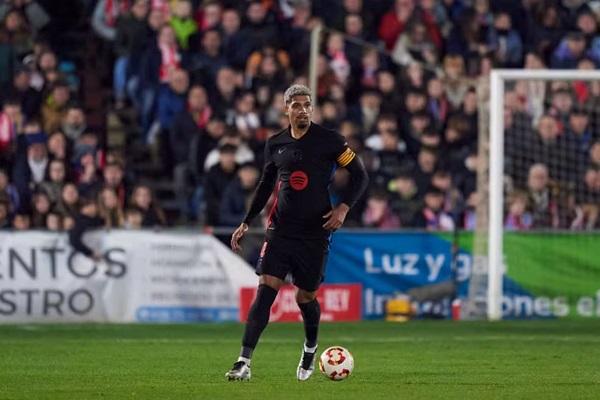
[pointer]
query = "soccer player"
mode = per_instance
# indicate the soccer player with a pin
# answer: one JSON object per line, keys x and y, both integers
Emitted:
{"x": 299, "y": 164}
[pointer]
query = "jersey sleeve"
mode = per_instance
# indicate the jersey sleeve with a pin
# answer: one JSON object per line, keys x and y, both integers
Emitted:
{"x": 264, "y": 188}
{"x": 343, "y": 154}
{"x": 346, "y": 158}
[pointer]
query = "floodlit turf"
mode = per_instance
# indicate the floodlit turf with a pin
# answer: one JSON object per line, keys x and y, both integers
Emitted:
{"x": 416, "y": 360}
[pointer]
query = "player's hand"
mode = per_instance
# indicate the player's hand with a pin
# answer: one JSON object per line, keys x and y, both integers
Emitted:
{"x": 237, "y": 235}
{"x": 336, "y": 217}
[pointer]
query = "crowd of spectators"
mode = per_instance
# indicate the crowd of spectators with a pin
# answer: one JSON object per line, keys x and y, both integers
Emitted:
{"x": 397, "y": 78}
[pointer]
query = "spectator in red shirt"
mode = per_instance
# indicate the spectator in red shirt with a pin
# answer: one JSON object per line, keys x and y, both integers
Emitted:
{"x": 395, "y": 21}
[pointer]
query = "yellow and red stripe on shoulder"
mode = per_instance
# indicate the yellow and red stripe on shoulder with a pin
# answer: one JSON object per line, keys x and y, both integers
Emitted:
{"x": 346, "y": 156}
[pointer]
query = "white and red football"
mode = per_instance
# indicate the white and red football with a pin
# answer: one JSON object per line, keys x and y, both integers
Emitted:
{"x": 336, "y": 363}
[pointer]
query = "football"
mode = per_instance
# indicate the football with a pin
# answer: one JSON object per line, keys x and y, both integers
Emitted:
{"x": 336, "y": 363}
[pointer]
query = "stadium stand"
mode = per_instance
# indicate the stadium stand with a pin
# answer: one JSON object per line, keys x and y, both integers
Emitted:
{"x": 150, "y": 106}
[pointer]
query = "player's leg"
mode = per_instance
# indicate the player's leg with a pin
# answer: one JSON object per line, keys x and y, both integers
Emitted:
{"x": 309, "y": 267}
{"x": 272, "y": 268}
{"x": 311, "y": 315}
{"x": 258, "y": 318}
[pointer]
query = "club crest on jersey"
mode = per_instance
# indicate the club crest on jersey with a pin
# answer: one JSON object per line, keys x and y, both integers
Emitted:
{"x": 297, "y": 155}
{"x": 298, "y": 180}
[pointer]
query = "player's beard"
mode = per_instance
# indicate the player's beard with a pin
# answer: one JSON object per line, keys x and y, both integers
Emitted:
{"x": 302, "y": 123}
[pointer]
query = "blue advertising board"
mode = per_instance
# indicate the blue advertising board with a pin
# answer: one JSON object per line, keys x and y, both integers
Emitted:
{"x": 387, "y": 264}
{"x": 390, "y": 263}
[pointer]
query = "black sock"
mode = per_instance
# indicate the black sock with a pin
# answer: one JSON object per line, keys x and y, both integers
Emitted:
{"x": 311, "y": 313}
{"x": 258, "y": 317}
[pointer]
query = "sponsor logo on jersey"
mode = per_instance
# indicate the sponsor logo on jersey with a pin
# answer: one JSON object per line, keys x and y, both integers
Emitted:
{"x": 298, "y": 180}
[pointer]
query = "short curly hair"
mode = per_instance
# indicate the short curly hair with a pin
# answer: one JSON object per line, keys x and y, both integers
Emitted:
{"x": 296, "y": 90}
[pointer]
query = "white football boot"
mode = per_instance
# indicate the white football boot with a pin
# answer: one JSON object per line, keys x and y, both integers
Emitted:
{"x": 306, "y": 366}
{"x": 239, "y": 372}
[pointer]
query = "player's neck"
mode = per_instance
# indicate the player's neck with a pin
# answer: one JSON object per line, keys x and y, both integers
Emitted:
{"x": 298, "y": 133}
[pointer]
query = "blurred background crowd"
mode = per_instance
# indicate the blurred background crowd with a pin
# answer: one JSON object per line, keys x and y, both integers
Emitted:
{"x": 157, "y": 111}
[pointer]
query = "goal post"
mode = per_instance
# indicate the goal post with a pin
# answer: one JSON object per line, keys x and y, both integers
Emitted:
{"x": 496, "y": 196}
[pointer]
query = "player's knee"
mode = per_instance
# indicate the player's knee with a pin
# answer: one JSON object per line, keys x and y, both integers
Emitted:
{"x": 271, "y": 281}
{"x": 302, "y": 296}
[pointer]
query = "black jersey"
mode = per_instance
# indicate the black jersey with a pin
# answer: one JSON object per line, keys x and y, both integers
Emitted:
{"x": 301, "y": 171}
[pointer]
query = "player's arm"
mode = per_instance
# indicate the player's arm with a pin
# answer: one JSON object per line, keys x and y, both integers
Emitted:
{"x": 76, "y": 239}
{"x": 356, "y": 187}
{"x": 359, "y": 179}
{"x": 259, "y": 200}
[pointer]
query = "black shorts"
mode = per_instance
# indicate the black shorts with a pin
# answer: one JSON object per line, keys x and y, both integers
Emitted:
{"x": 304, "y": 259}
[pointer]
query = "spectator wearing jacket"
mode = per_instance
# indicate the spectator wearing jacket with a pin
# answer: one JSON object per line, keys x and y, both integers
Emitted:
{"x": 237, "y": 195}
{"x": 31, "y": 160}
{"x": 216, "y": 180}
{"x": 105, "y": 16}
{"x": 132, "y": 35}
{"x": 189, "y": 126}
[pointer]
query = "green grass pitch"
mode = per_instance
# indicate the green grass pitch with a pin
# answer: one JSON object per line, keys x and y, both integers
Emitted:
{"x": 414, "y": 360}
